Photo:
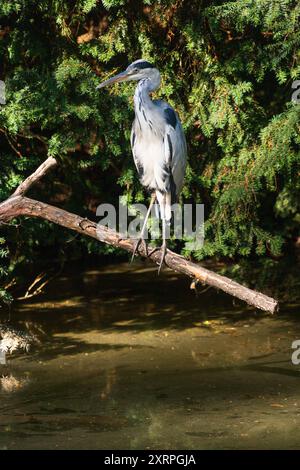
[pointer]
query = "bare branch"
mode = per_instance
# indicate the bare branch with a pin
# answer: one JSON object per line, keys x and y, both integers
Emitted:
{"x": 18, "y": 205}
{"x": 36, "y": 176}
{"x": 23, "y": 206}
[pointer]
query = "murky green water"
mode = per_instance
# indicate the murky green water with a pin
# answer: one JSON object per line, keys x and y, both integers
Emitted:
{"x": 130, "y": 360}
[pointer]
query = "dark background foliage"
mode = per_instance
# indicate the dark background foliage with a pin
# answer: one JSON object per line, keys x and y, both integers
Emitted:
{"x": 227, "y": 68}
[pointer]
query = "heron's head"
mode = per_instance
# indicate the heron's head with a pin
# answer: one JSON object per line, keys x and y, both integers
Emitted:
{"x": 138, "y": 70}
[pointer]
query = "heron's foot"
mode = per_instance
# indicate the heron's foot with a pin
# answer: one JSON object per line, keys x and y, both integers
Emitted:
{"x": 136, "y": 247}
{"x": 164, "y": 251}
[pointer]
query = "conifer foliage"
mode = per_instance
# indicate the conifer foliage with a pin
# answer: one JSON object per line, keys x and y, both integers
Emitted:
{"x": 227, "y": 67}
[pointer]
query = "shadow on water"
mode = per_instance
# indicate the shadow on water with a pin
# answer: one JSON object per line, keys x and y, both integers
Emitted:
{"x": 127, "y": 359}
{"x": 139, "y": 297}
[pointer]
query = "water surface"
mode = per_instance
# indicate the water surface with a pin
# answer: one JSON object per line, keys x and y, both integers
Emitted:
{"x": 130, "y": 360}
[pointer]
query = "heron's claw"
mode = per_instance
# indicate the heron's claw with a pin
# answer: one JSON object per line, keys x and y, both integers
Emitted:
{"x": 164, "y": 251}
{"x": 137, "y": 244}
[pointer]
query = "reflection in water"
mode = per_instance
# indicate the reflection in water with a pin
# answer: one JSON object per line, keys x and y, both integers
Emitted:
{"x": 128, "y": 359}
{"x": 9, "y": 383}
{"x": 11, "y": 339}
{"x": 111, "y": 378}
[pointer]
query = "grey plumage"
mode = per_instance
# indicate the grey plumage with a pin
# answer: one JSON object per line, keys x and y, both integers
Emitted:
{"x": 157, "y": 140}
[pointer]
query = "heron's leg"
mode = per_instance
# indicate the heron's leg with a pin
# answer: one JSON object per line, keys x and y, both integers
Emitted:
{"x": 141, "y": 237}
{"x": 164, "y": 245}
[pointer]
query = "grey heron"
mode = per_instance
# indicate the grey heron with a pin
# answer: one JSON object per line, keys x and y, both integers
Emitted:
{"x": 158, "y": 144}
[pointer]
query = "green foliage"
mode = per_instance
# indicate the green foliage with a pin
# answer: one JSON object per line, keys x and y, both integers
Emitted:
{"x": 227, "y": 67}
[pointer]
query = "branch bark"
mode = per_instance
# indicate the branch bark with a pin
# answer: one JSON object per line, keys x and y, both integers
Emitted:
{"x": 22, "y": 206}
{"x": 19, "y": 205}
{"x": 35, "y": 177}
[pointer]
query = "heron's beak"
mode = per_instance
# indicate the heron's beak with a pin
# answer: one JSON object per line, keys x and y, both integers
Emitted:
{"x": 121, "y": 77}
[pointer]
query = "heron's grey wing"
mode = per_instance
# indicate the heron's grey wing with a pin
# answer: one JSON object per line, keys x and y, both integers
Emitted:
{"x": 175, "y": 152}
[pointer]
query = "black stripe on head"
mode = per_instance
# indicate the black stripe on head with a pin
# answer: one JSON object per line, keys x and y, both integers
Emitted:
{"x": 142, "y": 65}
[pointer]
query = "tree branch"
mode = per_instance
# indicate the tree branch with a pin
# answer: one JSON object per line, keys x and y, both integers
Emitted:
{"x": 22, "y": 206}
{"x": 36, "y": 176}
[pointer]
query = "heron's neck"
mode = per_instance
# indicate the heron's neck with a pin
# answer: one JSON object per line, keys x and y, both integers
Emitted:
{"x": 142, "y": 99}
